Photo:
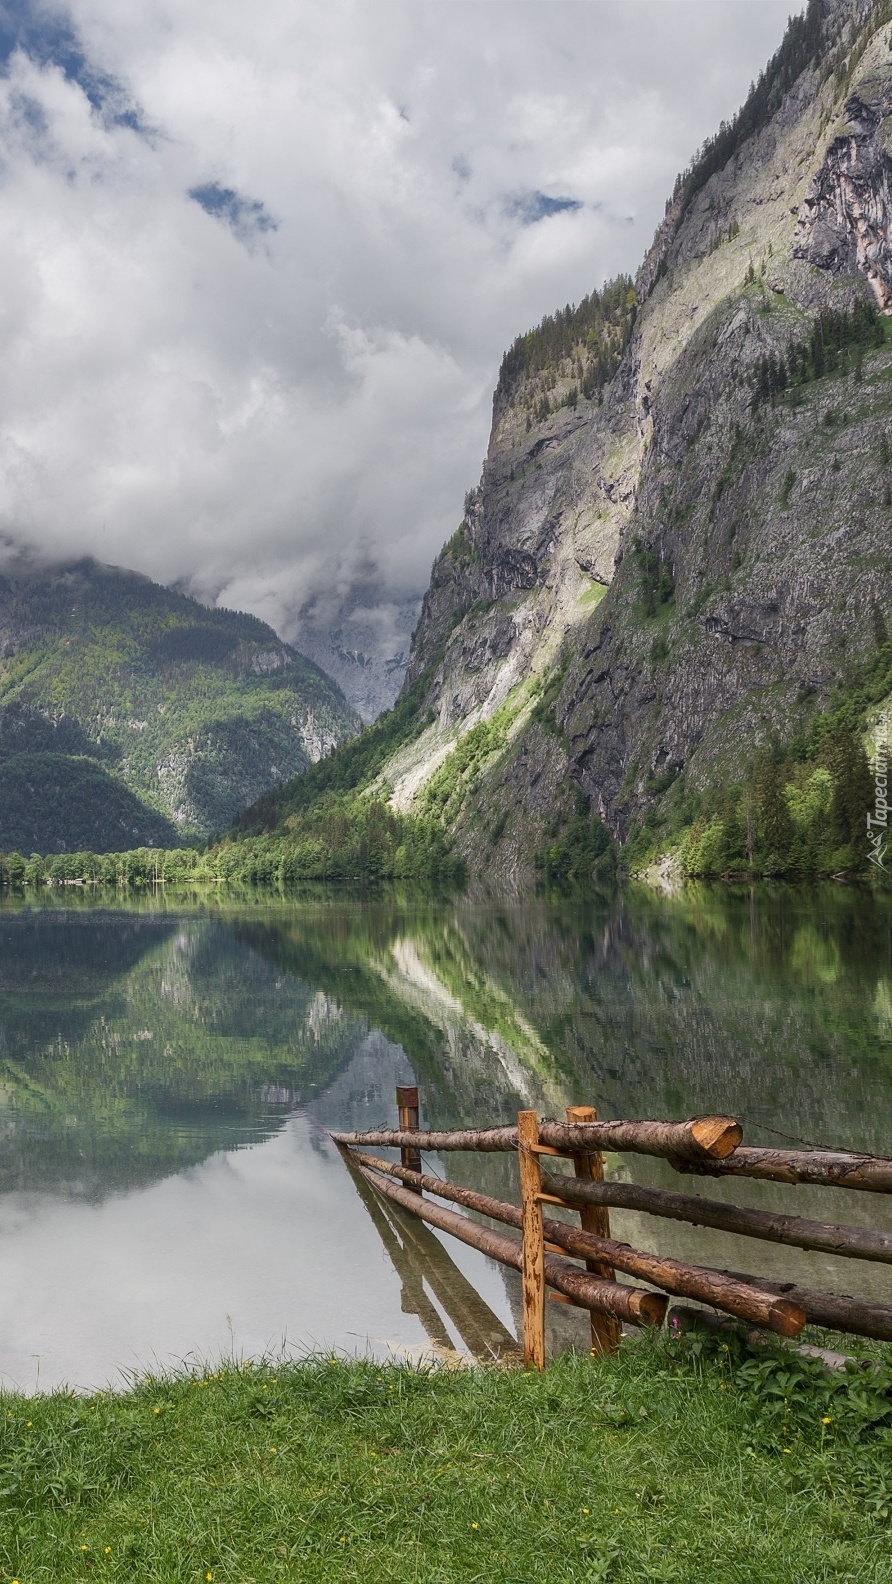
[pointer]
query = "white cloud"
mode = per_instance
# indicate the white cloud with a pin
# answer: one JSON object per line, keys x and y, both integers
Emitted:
{"x": 263, "y": 400}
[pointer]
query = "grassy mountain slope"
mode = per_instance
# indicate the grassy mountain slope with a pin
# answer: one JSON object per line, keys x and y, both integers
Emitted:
{"x": 131, "y": 715}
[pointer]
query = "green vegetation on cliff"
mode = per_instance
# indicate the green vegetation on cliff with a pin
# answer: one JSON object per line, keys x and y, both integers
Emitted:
{"x": 353, "y": 768}
{"x": 825, "y": 350}
{"x": 801, "y": 813}
{"x": 130, "y": 714}
{"x": 594, "y": 333}
{"x": 799, "y": 48}
{"x": 324, "y": 824}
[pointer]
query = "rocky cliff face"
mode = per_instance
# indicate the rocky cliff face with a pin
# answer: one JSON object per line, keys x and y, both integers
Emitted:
{"x": 653, "y": 579}
{"x": 362, "y": 642}
{"x": 844, "y": 223}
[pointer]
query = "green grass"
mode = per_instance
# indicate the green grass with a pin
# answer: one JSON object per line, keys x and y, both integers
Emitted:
{"x": 654, "y": 1465}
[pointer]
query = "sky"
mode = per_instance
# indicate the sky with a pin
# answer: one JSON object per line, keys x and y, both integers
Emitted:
{"x": 259, "y": 262}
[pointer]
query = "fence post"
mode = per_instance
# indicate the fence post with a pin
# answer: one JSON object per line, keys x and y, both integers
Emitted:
{"x": 407, "y": 1103}
{"x": 595, "y": 1218}
{"x": 533, "y": 1240}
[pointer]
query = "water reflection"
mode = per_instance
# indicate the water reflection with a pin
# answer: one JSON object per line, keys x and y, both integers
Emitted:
{"x": 420, "y": 1261}
{"x": 168, "y": 1076}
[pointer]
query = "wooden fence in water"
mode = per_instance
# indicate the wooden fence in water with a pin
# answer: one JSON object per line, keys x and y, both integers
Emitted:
{"x": 547, "y": 1250}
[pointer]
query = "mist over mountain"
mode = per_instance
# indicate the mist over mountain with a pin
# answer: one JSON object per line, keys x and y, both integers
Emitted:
{"x": 258, "y": 269}
{"x": 362, "y": 640}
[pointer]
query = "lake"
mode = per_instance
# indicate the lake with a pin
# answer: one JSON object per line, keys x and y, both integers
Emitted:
{"x": 169, "y": 1073}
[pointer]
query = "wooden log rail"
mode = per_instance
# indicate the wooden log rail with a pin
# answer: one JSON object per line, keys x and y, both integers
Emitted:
{"x": 589, "y": 1168}
{"x": 832, "y": 1310}
{"x": 608, "y": 1297}
{"x": 796, "y": 1231}
{"x": 703, "y": 1145}
{"x": 702, "y": 1139}
{"x": 734, "y": 1296}
{"x": 824, "y": 1168}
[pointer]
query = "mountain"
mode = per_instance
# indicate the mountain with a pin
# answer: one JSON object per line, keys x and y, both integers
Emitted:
{"x": 662, "y": 625}
{"x": 362, "y": 640}
{"x": 130, "y": 715}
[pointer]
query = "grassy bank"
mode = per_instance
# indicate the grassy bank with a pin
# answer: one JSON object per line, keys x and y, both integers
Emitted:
{"x": 659, "y": 1464}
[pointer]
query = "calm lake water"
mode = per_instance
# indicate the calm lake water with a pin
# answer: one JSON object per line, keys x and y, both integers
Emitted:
{"x": 169, "y": 1074}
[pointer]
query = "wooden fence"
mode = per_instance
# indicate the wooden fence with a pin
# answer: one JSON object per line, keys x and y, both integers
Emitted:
{"x": 547, "y": 1250}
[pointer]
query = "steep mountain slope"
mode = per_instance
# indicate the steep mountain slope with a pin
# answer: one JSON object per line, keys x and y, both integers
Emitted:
{"x": 679, "y": 551}
{"x": 131, "y": 715}
{"x": 362, "y": 641}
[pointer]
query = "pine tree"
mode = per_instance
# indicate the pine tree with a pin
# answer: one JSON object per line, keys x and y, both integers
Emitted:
{"x": 773, "y": 816}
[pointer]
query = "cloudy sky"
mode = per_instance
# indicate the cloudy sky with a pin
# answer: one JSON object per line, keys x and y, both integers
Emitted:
{"x": 259, "y": 262}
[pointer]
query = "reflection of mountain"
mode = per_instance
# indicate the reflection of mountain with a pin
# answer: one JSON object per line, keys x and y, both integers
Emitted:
{"x": 137, "y": 1044}
{"x": 766, "y": 1005}
{"x": 469, "y": 1045}
{"x": 57, "y": 969}
{"x": 189, "y": 1044}
{"x": 772, "y": 1005}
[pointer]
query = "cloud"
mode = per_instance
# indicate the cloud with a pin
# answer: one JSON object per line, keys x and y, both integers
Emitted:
{"x": 259, "y": 266}
{"x": 48, "y": 36}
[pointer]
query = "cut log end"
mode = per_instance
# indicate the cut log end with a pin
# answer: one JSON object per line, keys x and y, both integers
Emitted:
{"x": 786, "y": 1318}
{"x": 650, "y": 1308}
{"x": 717, "y": 1136}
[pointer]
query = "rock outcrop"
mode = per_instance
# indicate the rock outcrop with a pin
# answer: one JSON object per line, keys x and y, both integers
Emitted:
{"x": 657, "y": 575}
{"x": 845, "y": 222}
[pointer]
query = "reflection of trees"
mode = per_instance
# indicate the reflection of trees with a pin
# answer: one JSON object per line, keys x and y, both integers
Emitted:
{"x": 764, "y": 1004}
{"x": 135, "y": 1042}
{"x": 58, "y": 969}
{"x": 768, "y": 1003}
{"x": 199, "y": 1036}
